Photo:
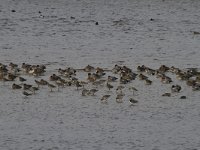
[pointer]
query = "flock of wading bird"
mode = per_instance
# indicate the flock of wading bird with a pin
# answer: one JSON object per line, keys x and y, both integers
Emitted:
{"x": 96, "y": 77}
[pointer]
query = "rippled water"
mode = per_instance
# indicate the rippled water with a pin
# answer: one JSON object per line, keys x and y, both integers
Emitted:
{"x": 130, "y": 32}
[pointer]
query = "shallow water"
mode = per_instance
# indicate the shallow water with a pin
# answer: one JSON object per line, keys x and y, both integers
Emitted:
{"x": 125, "y": 35}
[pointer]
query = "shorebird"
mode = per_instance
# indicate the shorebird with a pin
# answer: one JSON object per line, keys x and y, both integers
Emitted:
{"x": 26, "y": 93}
{"x": 91, "y": 77}
{"x": 68, "y": 83}
{"x": 89, "y": 68}
{"x": 109, "y": 86}
{"x": 112, "y": 78}
{"x": 196, "y": 32}
{"x": 85, "y": 92}
{"x": 183, "y": 97}
{"x": 197, "y": 79}
{"x": 133, "y": 89}
{"x": 11, "y": 77}
{"x": 119, "y": 98}
{"x": 92, "y": 92}
{"x": 148, "y": 82}
{"x": 12, "y": 65}
{"x": 38, "y": 83}
{"x": 43, "y": 82}
{"x": 163, "y": 68}
{"x": 105, "y": 98}
{"x": 37, "y": 70}
{"x": 116, "y": 69}
{"x": 166, "y": 94}
{"x": 174, "y": 69}
{"x": 3, "y": 69}
{"x": 191, "y": 82}
{"x": 26, "y": 86}
{"x": 60, "y": 83}
{"x": 100, "y": 73}
{"x": 133, "y": 101}
{"x": 120, "y": 87}
{"x": 1, "y": 76}
{"x": 126, "y": 69}
{"x": 54, "y": 77}
{"x": 123, "y": 80}
{"x": 98, "y": 69}
{"x": 33, "y": 89}
{"x": 67, "y": 72}
{"x": 25, "y": 68}
{"x": 21, "y": 79}
{"x": 83, "y": 83}
{"x": 78, "y": 84}
{"x": 16, "y": 86}
{"x": 196, "y": 87}
{"x": 141, "y": 68}
{"x": 175, "y": 88}
{"x": 150, "y": 71}
{"x": 99, "y": 82}
{"x": 51, "y": 86}
{"x": 166, "y": 79}
{"x": 183, "y": 76}
{"x": 142, "y": 77}
{"x": 5, "y": 79}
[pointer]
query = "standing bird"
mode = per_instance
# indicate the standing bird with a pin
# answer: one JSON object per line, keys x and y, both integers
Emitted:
{"x": 26, "y": 86}
{"x": 16, "y": 86}
{"x": 112, "y": 78}
{"x": 78, "y": 84}
{"x": 38, "y": 83}
{"x": 120, "y": 87}
{"x": 51, "y": 86}
{"x": 83, "y": 83}
{"x": 43, "y": 82}
{"x": 148, "y": 82}
{"x": 33, "y": 89}
{"x": 92, "y": 92}
{"x": 85, "y": 92}
{"x": 105, "y": 98}
{"x": 21, "y": 79}
{"x": 91, "y": 77}
{"x": 166, "y": 94}
{"x": 11, "y": 76}
{"x": 142, "y": 77}
{"x": 88, "y": 68}
{"x": 26, "y": 93}
{"x": 166, "y": 79}
{"x": 119, "y": 98}
{"x": 175, "y": 88}
{"x": 60, "y": 83}
{"x": 109, "y": 86}
{"x": 133, "y": 89}
{"x": 99, "y": 82}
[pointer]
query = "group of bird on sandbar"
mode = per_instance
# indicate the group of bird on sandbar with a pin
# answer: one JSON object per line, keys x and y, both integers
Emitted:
{"x": 96, "y": 79}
